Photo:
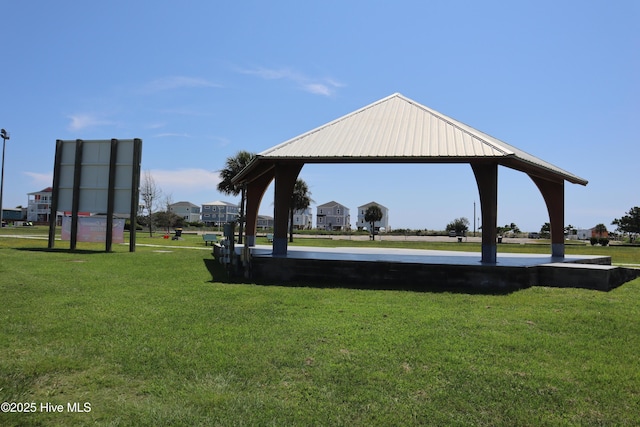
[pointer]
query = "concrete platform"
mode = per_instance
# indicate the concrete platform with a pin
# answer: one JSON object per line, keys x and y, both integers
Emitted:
{"x": 414, "y": 269}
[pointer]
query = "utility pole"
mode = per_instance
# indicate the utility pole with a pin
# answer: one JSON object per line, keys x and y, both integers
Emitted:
{"x": 4, "y": 135}
{"x": 474, "y": 218}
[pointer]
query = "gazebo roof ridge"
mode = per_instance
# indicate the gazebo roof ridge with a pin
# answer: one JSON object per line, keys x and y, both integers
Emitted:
{"x": 397, "y": 129}
{"x": 496, "y": 144}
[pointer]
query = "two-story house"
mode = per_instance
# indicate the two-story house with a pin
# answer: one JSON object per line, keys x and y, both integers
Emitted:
{"x": 219, "y": 212}
{"x": 264, "y": 222}
{"x": 383, "y": 223}
{"x": 39, "y": 205}
{"x": 333, "y": 216}
{"x": 303, "y": 219}
{"x": 186, "y": 210}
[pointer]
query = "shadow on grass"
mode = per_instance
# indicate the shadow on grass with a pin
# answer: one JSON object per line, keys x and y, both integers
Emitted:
{"x": 64, "y": 250}
{"x": 220, "y": 274}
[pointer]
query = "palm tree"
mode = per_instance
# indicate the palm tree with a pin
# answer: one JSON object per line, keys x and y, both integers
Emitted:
{"x": 232, "y": 167}
{"x": 601, "y": 230}
{"x": 371, "y": 215}
{"x": 300, "y": 200}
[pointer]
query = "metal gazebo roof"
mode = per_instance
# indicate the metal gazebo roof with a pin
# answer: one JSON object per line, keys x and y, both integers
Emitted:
{"x": 397, "y": 129}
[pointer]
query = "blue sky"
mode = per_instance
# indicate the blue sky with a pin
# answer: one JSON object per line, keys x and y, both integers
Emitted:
{"x": 198, "y": 81}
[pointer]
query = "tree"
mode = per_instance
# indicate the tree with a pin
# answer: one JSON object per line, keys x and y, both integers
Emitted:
{"x": 167, "y": 220}
{"x": 601, "y": 230}
{"x": 371, "y": 215}
{"x": 545, "y": 230}
{"x": 459, "y": 225}
{"x": 149, "y": 193}
{"x": 300, "y": 200}
{"x": 629, "y": 223}
{"x": 513, "y": 228}
{"x": 570, "y": 230}
{"x": 232, "y": 167}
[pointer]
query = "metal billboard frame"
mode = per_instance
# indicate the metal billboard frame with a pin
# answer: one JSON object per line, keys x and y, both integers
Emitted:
{"x": 85, "y": 172}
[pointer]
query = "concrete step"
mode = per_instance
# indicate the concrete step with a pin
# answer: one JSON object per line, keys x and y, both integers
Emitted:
{"x": 588, "y": 276}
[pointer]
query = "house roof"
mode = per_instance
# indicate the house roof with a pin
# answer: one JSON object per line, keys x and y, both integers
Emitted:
{"x": 44, "y": 190}
{"x": 397, "y": 129}
{"x": 189, "y": 204}
{"x": 331, "y": 203}
{"x": 220, "y": 203}
{"x": 371, "y": 204}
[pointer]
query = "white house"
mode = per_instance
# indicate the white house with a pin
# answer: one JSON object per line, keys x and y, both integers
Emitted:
{"x": 383, "y": 223}
{"x": 303, "y": 219}
{"x": 39, "y": 205}
{"x": 333, "y": 216}
{"x": 186, "y": 210}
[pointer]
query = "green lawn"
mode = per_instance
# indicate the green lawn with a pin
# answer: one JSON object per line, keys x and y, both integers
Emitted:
{"x": 151, "y": 338}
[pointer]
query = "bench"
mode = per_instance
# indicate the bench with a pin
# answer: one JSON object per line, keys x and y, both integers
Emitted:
{"x": 270, "y": 238}
{"x": 209, "y": 238}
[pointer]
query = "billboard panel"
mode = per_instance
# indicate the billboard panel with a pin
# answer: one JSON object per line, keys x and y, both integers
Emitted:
{"x": 99, "y": 177}
{"x": 93, "y": 229}
{"x": 95, "y": 163}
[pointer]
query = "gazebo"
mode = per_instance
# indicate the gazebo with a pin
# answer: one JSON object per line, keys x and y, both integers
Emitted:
{"x": 397, "y": 129}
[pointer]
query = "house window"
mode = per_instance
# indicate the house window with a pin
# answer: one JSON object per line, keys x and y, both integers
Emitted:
{"x": 338, "y": 211}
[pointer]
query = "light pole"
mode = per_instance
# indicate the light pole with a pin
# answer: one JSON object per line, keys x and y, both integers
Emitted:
{"x": 4, "y": 135}
{"x": 474, "y": 218}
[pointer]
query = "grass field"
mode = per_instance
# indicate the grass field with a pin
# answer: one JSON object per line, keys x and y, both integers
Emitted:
{"x": 151, "y": 338}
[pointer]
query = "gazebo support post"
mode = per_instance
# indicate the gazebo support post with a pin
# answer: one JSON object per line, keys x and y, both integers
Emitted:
{"x": 553, "y": 194}
{"x": 255, "y": 192}
{"x": 286, "y": 175}
{"x": 487, "y": 179}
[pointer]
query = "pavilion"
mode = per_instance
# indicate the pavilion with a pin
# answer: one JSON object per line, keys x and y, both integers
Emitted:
{"x": 397, "y": 129}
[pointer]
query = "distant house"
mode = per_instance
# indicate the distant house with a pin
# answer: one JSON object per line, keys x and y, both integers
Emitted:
{"x": 333, "y": 216}
{"x": 383, "y": 223}
{"x": 17, "y": 214}
{"x": 39, "y": 205}
{"x": 264, "y": 222}
{"x": 186, "y": 210}
{"x": 219, "y": 212}
{"x": 303, "y": 219}
{"x": 586, "y": 234}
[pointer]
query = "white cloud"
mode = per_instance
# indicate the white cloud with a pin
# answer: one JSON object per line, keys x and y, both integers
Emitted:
{"x": 182, "y": 183}
{"x": 83, "y": 121}
{"x": 318, "y": 89}
{"x": 40, "y": 179}
{"x": 178, "y": 82}
{"x": 317, "y": 86}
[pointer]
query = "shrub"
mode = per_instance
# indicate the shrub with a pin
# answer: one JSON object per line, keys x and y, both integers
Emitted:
{"x": 593, "y": 241}
{"x": 603, "y": 241}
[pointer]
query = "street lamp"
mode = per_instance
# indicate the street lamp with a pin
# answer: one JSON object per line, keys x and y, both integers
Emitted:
{"x": 4, "y": 135}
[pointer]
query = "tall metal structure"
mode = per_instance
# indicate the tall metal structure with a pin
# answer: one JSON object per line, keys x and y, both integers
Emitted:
{"x": 98, "y": 177}
{"x": 4, "y": 135}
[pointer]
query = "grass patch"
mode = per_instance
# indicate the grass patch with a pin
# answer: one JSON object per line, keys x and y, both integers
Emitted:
{"x": 150, "y": 338}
